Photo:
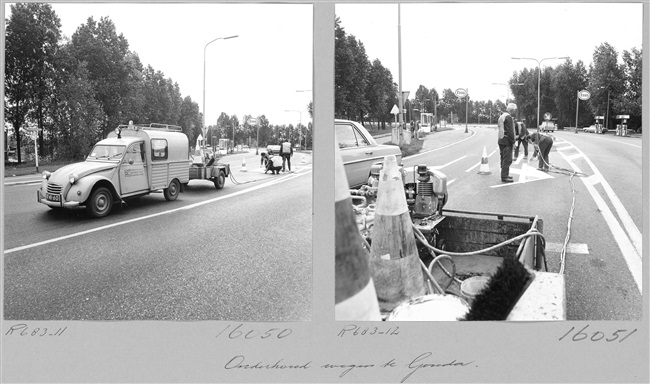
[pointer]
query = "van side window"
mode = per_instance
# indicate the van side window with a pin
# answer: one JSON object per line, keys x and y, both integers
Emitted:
{"x": 159, "y": 149}
{"x": 135, "y": 154}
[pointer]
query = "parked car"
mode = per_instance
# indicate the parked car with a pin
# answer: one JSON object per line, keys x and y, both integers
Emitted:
{"x": 592, "y": 129}
{"x": 360, "y": 151}
{"x": 547, "y": 126}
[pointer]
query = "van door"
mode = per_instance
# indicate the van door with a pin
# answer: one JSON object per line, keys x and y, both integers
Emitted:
{"x": 133, "y": 173}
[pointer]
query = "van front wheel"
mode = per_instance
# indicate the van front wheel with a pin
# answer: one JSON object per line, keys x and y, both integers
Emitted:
{"x": 171, "y": 192}
{"x": 100, "y": 202}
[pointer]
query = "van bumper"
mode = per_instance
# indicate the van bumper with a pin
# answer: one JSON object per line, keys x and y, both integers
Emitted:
{"x": 58, "y": 204}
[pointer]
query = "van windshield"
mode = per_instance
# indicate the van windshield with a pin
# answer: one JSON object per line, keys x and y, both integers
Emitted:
{"x": 109, "y": 152}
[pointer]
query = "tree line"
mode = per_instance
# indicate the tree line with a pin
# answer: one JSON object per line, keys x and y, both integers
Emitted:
{"x": 72, "y": 92}
{"x": 365, "y": 90}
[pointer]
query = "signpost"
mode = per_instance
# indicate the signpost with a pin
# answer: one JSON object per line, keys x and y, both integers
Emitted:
{"x": 463, "y": 93}
{"x": 582, "y": 95}
{"x": 254, "y": 121}
{"x": 395, "y": 134}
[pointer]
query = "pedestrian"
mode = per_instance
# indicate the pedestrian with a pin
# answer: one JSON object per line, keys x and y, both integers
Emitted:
{"x": 543, "y": 144}
{"x": 522, "y": 138}
{"x": 506, "y": 141}
{"x": 412, "y": 128}
{"x": 286, "y": 151}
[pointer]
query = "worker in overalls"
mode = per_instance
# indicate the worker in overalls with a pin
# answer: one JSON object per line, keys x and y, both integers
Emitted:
{"x": 522, "y": 138}
{"x": 543, "y": 144}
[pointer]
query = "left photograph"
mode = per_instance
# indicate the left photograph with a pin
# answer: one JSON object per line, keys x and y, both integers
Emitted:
{"x": 157, "y": 162}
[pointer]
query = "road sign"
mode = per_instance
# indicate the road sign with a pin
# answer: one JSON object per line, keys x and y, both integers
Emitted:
{"x": 395, "y": 110}
{"x": 460, "y": 92}
{"x": 584, "y": 95}
{"x": 251, "y": 121}
{"x": 547, "y": 116}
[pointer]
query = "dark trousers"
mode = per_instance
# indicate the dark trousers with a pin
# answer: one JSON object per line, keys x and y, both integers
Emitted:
{"x": 544, "y": 148}
{"x": 506, "y": 159}
{"x": 525, "y": 143}
{"x": 286, "y": 160}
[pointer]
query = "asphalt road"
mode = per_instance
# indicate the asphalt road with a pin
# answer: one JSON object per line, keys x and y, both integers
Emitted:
{"x": 242, "y": 253}
{"x": 603, "y": 200}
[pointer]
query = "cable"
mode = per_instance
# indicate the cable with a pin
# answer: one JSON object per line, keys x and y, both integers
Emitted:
{"x": 423, "y": 240}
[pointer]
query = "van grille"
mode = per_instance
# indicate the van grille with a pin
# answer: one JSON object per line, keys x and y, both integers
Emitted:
{"x": 54, "y": 189}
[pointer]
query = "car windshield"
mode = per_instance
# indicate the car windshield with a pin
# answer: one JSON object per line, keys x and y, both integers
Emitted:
{"x": 109, "y": 152}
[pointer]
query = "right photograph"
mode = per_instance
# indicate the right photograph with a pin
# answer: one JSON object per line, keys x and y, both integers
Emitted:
{"x": 488, "y": 162}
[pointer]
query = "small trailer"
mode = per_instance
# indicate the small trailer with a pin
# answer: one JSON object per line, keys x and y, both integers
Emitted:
{"x": 461, "y": 250}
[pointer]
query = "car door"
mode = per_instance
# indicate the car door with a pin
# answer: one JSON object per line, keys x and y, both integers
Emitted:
{"x": 357, "y": 152}
{"x": 133, "y": 172}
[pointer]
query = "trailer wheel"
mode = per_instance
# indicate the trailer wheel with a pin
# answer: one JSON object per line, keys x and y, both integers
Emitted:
{"x": 220, "y": 180}
{"x": 100, "y": 202}
{"x": 171, "y": 192}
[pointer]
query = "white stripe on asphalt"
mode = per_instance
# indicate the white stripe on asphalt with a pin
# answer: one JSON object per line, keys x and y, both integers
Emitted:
{"x": 630, "y": 254}
{"x": 479, "y": 163}
{"x": 626, "y": 219}
{"x": 575, "y": 248}
{"x": 437, "y": 149}
{"x": 449, "y": 163}
{"x": 187, "y": 207}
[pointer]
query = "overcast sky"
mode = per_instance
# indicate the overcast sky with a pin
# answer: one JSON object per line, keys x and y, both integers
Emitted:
{"x": 257, "y": 73}
{"x": 471, "y": 45}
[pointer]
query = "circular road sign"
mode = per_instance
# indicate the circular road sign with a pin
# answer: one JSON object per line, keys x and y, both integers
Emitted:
{"x": 547, "y": 116}
{"x": 460, "y": 92}
{"x": 584, "y": 95}
{"x": 251, "y": 121}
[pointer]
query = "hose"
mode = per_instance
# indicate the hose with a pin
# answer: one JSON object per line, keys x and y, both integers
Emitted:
{"x": 423, "y": 240}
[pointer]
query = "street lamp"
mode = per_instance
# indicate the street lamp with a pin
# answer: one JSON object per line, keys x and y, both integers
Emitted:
{"x": 203, "y": 128}
{"x": 539, "y": 75}
{"x": 300, "y": 135}
{"x": 299, "y": 125}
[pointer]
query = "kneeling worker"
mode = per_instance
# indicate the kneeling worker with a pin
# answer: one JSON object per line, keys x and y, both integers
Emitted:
{"x": 543, "y": 144}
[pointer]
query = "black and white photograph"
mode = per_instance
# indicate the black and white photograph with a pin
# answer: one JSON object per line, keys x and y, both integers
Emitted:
{"x": 158, "y": 162}
{"x": 318, "y": 191}
{"x": 493, "y": 163}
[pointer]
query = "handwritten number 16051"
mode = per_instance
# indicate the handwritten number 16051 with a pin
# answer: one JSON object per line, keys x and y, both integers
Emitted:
{"x": 597, "y": 336}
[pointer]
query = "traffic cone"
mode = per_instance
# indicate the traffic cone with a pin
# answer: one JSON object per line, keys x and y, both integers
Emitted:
{"x": 394, "y": 260}
{"x": 484, "y": 169}
{"x": 243, "y": 165}
{"x": 355, "y": 296}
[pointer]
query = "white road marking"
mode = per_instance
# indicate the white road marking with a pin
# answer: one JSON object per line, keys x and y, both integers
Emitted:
{"x": 187, "y": 207}
{"x": 575, "y": 248}
{"x": 479, "y": 163}
{"x": 450, "y": 163}
{"x": 438, "y": 149}
{"x": 626, "y": 219}
{"x": 631, "y": 254}
{"x": 451, "y": 181}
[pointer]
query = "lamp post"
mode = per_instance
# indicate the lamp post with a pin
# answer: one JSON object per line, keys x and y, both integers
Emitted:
{"x": 539, "y": 75}
{"x": 299, "y": 124}
{"x": 300, "y": 143}
{"x": 203, "y": 128}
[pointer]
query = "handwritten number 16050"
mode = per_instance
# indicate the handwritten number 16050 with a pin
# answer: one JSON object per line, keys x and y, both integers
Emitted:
{"x": 597, "y": 336}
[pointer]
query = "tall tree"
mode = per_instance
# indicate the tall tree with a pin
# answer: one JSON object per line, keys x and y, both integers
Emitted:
{"x": 110, "y": 66}
{"x": 31, "y": 40}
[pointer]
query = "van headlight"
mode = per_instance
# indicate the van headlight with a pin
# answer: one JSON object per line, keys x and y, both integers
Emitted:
{"x": 73, "y": 178}
{"x": 46, "y": 175}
